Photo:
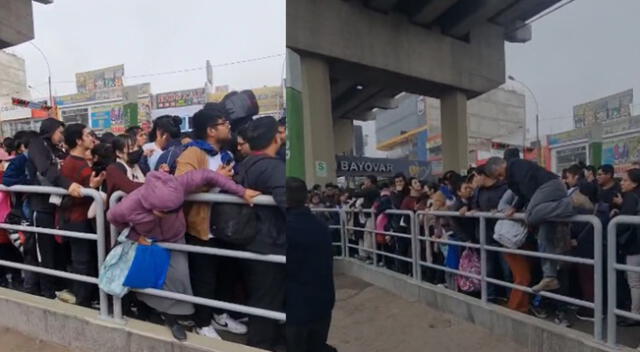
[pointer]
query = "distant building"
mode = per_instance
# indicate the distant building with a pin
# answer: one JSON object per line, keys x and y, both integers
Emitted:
{"x": 496, "y": 121}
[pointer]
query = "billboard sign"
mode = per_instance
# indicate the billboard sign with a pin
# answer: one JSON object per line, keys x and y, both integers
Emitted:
{"x": 604, "y": 109}
{"x": 104, "y": 78}
{"x": 361, "y": 166}
{"x": 621, "y": 153}
{"x": 108, "y": 117}
{"x": 144, "y": 89}
{"x": 181, "y": 98}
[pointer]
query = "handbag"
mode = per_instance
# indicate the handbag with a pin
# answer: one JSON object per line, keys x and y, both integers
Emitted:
{"x": 469, "y": 263}
{"x": 116, "y": 266}
{"x": 510, "y": 234}
{"x": 149, "y": 267}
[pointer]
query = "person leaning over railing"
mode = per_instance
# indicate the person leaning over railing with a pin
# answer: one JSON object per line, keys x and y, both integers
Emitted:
{"x": 158, "y": 216}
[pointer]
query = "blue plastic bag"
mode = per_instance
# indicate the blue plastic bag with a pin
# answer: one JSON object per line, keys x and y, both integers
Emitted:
{"x": 149, "y": 267}
{"x": 116, "y": 266}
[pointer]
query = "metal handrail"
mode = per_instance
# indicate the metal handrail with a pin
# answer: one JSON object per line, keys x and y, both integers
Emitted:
{"x": 209, "y": 198}
{"x": 98, "y": 236}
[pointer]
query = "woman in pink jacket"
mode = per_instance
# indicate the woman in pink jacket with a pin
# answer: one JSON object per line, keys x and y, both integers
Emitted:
{"x": 154, "y": 211}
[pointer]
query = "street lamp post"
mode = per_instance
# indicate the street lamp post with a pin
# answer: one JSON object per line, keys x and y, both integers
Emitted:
{"x": 49, "y": 70}
{"x": 538, "y": 149}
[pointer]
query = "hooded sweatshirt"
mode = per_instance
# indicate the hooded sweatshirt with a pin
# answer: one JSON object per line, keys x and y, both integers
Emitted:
{"x": 136, "y": 209}
{"x": 43, "y": 165}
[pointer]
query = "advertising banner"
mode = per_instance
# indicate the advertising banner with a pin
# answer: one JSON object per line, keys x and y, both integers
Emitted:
{"x": 621, "y": 152}
{"x": 104, "y": 78}
{"x": 108, "y": 117}
{"x": 270, "y": 99}
{"x": 604, "y": 109}
{"x": 181, "y": 98}
{"x": 98, "y": 95}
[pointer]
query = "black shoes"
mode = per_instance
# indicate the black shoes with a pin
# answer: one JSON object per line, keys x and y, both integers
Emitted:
{"x": 177, "y": 330}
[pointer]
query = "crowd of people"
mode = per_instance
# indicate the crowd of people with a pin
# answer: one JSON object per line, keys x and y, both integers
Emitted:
{"x": 506, "y": 185}
{"x": 157, "y": 169}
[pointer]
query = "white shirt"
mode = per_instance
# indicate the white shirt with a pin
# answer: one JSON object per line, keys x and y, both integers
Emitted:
{"x": 153, "y": 159}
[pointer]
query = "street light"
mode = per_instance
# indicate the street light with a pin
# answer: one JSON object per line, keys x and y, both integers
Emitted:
{"x": 538, "y": 149}
{"x": 48, "y": 69}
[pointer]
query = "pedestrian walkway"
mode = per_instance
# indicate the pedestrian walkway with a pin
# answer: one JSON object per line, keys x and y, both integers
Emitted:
{"x": 13, "y": 341}
{"x": 369, "y": 318}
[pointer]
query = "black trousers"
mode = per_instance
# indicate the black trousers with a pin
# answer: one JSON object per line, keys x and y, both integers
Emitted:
{"x": 212, "y": 277}
{"x": 266, "y": 287}
{"x": 308, "y": 337}
{"x": 9, "y": 252}
{"x": 84, "y": 261}
{"x": 51, "y": 254}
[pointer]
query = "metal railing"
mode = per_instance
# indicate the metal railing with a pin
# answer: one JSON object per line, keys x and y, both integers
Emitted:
{"x": 342, "y": 243}
{"x": 417, "y": 263}
{"x": 208, "y": 198}
{"x": 98, "y": 237}
{"x": 612, "y": 268}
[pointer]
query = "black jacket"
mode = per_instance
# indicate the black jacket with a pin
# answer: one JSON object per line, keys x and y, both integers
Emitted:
{"x": 43, "y": 165}
{"x": 487, "y": 200}
{"x": 267, "y": 175}
{"x": 629, "y": 235}
{"x": 465, "y": 228}
{"x": 524, "y": 177}
{"x": 310, "y": 293}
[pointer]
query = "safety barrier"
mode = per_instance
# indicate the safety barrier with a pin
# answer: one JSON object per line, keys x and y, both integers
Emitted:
{"x": 612, "y": 268}
{"x": 210, "y": 198}
{"x": 417, "y": 263}
{"x": 326, "y": 211}
{"x": 98, "y": 237}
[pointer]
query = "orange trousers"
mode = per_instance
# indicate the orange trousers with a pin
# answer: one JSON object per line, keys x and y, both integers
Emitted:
{"x": 521, "y": 270}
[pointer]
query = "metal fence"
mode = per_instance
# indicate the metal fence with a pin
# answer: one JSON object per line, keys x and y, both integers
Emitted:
{"x": 419, "y": 235}
{"x": 99, "y": 237}
{"x": 612, "y": 268}
{"x": 208, "y": 198}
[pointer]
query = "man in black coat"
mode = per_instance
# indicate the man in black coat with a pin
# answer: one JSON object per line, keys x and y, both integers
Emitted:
{"x": 264, "y": 172}
{"x": 310, "y": 287}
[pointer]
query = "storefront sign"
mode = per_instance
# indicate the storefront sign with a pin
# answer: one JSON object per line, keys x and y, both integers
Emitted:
{"x": 181, "y": 98}
{"x": 108, "y": 117}
{"x": 604, "y": 109}
{"x": 360, "y": 166}
{"x": 105, "y": 78}
{"x": 569, "y": 136}
{"x": 100, "y": 95}
{"x": 621, "y": 152}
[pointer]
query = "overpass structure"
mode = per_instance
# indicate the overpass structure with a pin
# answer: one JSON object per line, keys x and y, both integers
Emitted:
{"x": 347, "y": 58}
{"x": 16, "y": 21}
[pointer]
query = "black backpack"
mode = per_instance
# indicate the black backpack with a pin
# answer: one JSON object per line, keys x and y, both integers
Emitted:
{"x": 235, "y": 223}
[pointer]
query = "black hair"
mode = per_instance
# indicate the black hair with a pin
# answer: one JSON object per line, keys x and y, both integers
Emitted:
{"x": 72, "y": 133}
{"x": 261, "y": 132}
{"x": 242, "y": 132}
{"x": 133, "y": 131}
{"x": 511, "y": 153}
{"x": 400, "y": 175}
{"x": 575, "y": 170}
{"x": 634, "y": 176}
{"x": 184, "y": 135}
{"x": 9, "y": 144}
{"x": 105, "y": 155}
{"x": 373, "y": 179}
{"x": 23, "y": 139}
{"x": 607, "y": 169}
{"x": 434, "y": 186}
{"x": 384, "y": 185}
{"x": 168, "y": 124}
{"x": 591, "y": 169}
{"x": 122, "y": 143}
{"x": 211, "y": 115}
{"x": 296, "y": 192}
{"x": 107, "y": 138}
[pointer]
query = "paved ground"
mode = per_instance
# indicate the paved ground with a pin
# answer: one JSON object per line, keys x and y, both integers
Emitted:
{"x": 369, "y": 318}
{"x": 12, "y": 341}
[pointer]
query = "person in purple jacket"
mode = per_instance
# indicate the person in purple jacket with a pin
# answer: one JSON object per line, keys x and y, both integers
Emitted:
{"x": 154, "y": 212}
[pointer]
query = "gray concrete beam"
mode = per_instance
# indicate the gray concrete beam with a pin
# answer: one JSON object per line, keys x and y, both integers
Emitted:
{"x": 382, "y": 5}
{"x": 475, "y": 16}
{"x": 431, "y": 10}
{"x": 522, "y": 10}
{"x": 16, "y": 22}
{"x": 399, "y": 50}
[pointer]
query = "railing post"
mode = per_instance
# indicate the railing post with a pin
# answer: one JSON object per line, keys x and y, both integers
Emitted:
{"x": 343, "y": 232}
{"x": 416, "y": 248}
{"x": 117, "y": 301}
{"x": 597, "y": 280}
{"x": 612, "y": 300}
{"x": 102, "y": 250}
{"x": 483, "y": 260}
{"x": 414, "y": 245}
{"x": 372, "y": 236}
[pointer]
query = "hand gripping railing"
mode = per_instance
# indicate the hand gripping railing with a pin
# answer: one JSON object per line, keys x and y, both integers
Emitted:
{"x": 98, "y": 237}
{"x": 612, "y": 267}
{"x": 209, "y": 198}
{"x": 597, "y": 305}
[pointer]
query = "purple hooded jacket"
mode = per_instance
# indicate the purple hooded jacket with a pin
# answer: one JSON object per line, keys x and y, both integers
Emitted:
{"x": 166, "y": 193}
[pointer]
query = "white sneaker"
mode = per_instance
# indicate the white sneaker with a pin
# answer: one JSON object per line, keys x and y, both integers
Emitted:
{"x": 225, "y": 322}
{"x": 208, "y": 331}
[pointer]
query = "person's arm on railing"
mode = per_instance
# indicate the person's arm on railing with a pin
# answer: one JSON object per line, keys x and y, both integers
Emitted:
{"x": 195, "y": 180}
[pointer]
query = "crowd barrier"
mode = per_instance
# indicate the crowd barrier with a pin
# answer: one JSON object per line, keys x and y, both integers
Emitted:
{"x": 414, "y": 256}
{"x": 612, "y": 268}
{"x": 102, "y": 250}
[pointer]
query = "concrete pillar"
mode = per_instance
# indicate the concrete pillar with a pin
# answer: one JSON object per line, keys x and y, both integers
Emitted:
{"x": 319, "y": 153}
{"x": 343, "y": 134}
{"x": 454, "y": 123}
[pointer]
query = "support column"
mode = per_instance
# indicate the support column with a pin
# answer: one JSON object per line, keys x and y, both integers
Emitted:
{"x": 343, "y": 134}
{"x": 454, "y": 123}
{"x": 319, "y": 154}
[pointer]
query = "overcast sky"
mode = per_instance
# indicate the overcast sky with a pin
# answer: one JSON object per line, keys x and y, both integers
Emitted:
{"x": 151, "y": 36}
{"x": 585, "y": 50}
